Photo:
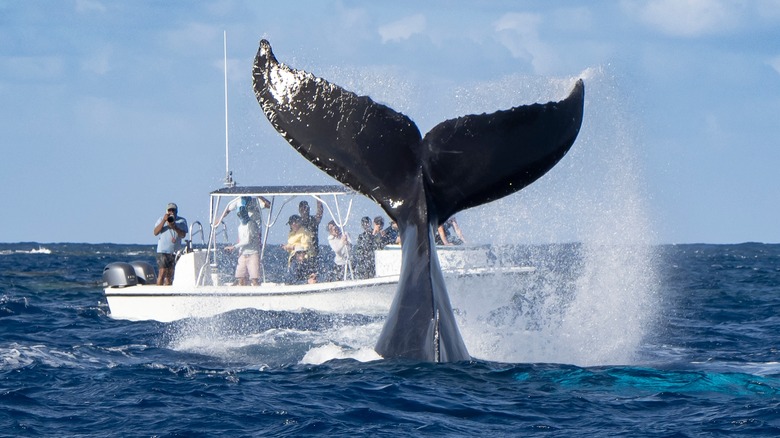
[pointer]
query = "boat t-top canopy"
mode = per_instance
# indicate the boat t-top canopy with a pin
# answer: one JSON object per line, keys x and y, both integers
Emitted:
{"x": 285, "y": 193}
{"x": 277, "y": 197}
{"x": 282, "y": 191}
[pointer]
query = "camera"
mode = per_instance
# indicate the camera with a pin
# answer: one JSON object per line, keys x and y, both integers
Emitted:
{"x": 170, "y": 219}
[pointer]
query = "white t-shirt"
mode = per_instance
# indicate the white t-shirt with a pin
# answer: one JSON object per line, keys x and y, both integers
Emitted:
{"x": 248, "y": 238}
{"x": 340, "y": 247}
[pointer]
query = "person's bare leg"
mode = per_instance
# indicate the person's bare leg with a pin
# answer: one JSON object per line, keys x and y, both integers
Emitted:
{"x": 163, "y": 277}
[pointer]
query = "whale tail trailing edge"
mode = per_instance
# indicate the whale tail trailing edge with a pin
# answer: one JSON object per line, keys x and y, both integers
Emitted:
{"x": 476, "y": 159}
{"x": 419, "y": 181}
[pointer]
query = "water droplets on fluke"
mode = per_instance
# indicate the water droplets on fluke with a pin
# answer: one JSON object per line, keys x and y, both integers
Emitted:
{"x": 591, "y": 300}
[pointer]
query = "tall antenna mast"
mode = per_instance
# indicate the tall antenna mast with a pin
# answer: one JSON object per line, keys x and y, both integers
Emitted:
{"x": 228, "y": 174}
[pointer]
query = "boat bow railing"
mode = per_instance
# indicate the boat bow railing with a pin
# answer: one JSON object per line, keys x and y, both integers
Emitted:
{"x": 193, "y": 232}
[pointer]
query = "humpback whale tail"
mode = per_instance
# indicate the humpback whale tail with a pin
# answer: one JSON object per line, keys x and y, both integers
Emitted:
{"x": 419, "y": 181}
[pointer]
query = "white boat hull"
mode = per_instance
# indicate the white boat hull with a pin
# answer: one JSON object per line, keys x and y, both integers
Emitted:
{"x": 371, "y": 297}
{"x": 197, "y": 293}
{"x": 170, "y": 303}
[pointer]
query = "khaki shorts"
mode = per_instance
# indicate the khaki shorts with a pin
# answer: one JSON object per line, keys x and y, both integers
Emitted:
{"x": 248, "y": 264}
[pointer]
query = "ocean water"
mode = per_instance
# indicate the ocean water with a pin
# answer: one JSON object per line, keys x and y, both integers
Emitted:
{"x": 584, "y": 346}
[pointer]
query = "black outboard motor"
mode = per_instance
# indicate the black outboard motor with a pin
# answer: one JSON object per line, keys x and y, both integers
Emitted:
{"x": 144, "y": 272}
{"x": 119, "y": 274}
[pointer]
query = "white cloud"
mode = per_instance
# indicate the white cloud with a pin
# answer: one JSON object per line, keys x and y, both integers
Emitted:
{"x": 99, "y": 62}
{"x": 347, "y": 29}
{"x": 518, "y": 32}
{"x": 353, "y": 17}
{"x": 403, "y": 28}
{"x": 775, "y": 63}
{"x": 687, "y": 18}
{"x": 236, "y": 68}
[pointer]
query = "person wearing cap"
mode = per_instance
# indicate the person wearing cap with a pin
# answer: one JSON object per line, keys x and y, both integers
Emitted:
{"x": 299, "y": 247}
{"x": 384, "y": 236}
{"x": 364, "y": 263}
{"x": 169, "y": 229}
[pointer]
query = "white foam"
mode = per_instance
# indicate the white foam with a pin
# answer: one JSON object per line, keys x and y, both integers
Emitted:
{"x": 39, "y": 250}
{"x": 17, "y": 356}
{"x": 331, "y": 351}
{"x": 12, "y": 358}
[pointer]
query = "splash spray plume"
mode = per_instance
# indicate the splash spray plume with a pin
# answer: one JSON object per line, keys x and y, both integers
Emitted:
{"x": 591, "y": 300}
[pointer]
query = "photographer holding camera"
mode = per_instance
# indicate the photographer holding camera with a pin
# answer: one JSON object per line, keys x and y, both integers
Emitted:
{"x": 169, "y": 229}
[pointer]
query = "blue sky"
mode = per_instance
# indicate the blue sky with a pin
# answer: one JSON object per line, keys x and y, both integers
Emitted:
{"x": 111, "y": 109}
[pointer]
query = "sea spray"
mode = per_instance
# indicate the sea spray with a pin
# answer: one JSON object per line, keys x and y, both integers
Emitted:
{"x": 274, "y": 339}
{"x": 592, "y": 302}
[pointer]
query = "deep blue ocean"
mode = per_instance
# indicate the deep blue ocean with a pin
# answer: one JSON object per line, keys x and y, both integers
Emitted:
{"x": 584, "y": 346}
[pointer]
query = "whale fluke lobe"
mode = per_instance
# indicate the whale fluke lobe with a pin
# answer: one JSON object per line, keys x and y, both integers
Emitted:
{"x": 360, "y": 143}
{"x": 419, "y": 181}
{"x": 477, "y": 159}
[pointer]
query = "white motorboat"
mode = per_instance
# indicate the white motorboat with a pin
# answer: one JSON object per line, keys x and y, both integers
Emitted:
{"x": 202, "y": 285}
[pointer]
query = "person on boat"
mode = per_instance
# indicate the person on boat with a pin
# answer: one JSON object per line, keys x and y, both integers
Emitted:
{"x": 298, "y": 271}
{"x": 383, "y": 236}
{"x": 248, "y": 247}
{"x": 299, "y": 241}
{"x": 312, "y": 224}
{"x": 364, "y": 263}
{"x": 449, "y": 233}
{"x": 394, "y": 227}
{"x": 169, "y": 229}
{"x": 340, "y": 244}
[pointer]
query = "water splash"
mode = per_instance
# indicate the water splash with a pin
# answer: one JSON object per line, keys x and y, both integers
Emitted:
{"x": 275, "y": 339}
{"x": 595, "y": 301}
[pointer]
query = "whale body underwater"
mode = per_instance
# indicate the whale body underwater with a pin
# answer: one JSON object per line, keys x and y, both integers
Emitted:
{"x": 418, "y": 181}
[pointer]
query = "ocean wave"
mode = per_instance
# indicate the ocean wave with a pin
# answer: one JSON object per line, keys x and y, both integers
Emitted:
{"x": 10, "y": 306}
{"x": 39, "y": 250}
{"x": 17, "y": 356}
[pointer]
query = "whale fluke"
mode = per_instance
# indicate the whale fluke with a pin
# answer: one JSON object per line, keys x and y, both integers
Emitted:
{"x": 419, "y": 181}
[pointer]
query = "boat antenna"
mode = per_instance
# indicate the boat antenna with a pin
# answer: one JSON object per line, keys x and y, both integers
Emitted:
{"x": 228, "y": 174}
